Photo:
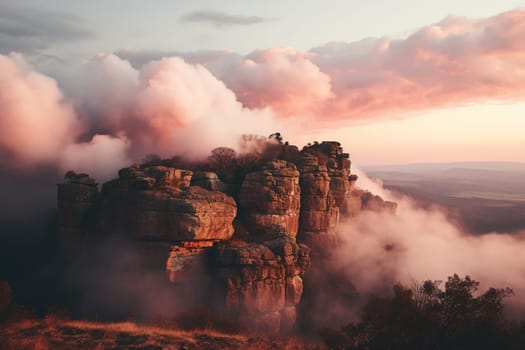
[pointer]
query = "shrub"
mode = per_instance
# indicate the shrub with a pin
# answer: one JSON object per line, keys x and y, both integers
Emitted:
{"x": 429, "y": 317}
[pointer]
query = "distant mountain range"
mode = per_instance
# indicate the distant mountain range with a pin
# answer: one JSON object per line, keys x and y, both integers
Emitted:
{"x": 427, "y": 167}
{"x": 480, "y": 196}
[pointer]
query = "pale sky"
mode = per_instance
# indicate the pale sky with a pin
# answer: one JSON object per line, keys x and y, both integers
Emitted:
{"x": 77, "y": 30}
{"x": 486, "y": 132}
{"x": 156, "y": 24}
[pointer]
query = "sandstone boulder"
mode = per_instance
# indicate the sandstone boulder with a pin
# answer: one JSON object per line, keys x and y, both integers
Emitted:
{"x": 270, "y": 200}
{"x": 157, "y": 202}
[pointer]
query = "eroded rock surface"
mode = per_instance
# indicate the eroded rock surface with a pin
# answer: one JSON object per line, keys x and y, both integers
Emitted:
{"x": 325, "y": 183}
{"x": 270, "y": 200}
{"x": 158, "y": 203}
{"x": 260, "y": 282}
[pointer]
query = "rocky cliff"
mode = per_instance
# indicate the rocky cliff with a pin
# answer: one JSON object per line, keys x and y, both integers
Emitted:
{"x": 253, "y": 239}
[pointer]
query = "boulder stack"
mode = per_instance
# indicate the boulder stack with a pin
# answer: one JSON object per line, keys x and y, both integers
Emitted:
{"x": 253, "y": 240}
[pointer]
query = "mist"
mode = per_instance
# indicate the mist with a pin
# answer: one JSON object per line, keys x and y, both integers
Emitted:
{"x": 118, "y": 279}
{"x": 380, "y": 249}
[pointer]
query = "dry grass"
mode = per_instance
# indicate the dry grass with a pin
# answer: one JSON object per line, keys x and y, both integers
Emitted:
{"x": 131, "y": 327}
{"x": 55, "y": 333}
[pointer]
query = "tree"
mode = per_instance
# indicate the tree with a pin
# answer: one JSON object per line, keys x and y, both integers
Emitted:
{"x": 429, "y": 317}
{"x": 223, "y": 161}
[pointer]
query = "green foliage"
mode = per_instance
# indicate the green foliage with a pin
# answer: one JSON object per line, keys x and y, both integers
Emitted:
{"x": 429, "y": 317}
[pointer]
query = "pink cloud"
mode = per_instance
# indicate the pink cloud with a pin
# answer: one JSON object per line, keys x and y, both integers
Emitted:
{"x": 452, "y": 62}
{"x": 281, "y": 78}
{"x": 101, "y": 156}
{"x": 35, "y": 122}
{"x": 167, "y": 107}
{"x": 104, "y": 91}
{"x": 455, "y": 61}
{"x": 191, "y": 104}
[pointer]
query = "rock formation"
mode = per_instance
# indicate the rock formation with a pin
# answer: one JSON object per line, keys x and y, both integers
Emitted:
{"x": 253, "y": 239}
{"x": 270, "y": 200}
{"x": 259, "y": 278}
{"x": 325, "y": 184}
{"x": 260, "y": 283}
{"x": 158, "y": 203}
{"x": 78, "y": 201}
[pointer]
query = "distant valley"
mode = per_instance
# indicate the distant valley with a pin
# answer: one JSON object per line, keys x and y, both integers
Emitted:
{"x": 481, "y": 197}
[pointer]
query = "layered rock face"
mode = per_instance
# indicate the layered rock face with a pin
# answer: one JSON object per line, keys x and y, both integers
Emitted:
{"x": 158, "y": 203}
{"x": 178, "y": 222}
{"x": 180, "y": 219}
{"x": 319, "y": 213}
{"x": 325, "y": 184}
{"x": 260, "y": 279}
{"x": 260, "y": 282}
{"x": 270, "y": 200}
{"x": 328, "y": 195}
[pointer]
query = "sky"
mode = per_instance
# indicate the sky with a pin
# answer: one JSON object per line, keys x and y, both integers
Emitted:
{"x": 395, "y": 82}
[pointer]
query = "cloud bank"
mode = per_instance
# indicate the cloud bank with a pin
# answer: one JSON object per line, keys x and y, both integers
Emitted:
{"x": 35, "y": 120}
{"x": 190, "y": 103}
{"x": 380, "y": 249}
{"x": 452, "y": 62}
{"x": 377, "y": 250}
{"x": 116, "y": 114}
{"x": 168, "y": 107}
